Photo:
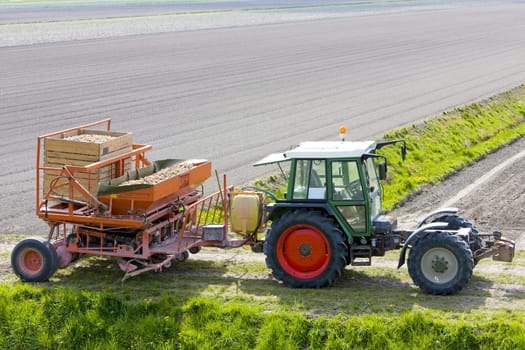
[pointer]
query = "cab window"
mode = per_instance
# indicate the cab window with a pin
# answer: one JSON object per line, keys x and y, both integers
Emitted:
{"x": 310, "y": 179}
{"x": 346, "y": 183}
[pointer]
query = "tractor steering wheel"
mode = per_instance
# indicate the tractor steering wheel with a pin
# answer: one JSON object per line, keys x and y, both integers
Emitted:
{"x": 354, "y": 189}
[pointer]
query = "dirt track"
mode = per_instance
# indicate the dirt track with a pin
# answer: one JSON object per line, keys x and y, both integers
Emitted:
{"x": 498, "y": 204}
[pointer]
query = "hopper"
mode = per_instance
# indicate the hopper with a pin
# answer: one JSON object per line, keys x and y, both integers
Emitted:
{"x": 144, "y": 190}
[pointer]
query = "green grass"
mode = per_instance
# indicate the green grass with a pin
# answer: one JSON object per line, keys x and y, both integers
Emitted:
{"x": 230, "y": 303}
{"x": 39, "y": 317}
{"x": 223, "y": 304}
{"x": 438, "y": 147}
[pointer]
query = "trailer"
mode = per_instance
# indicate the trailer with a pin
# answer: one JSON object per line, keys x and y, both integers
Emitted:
{"x": 101, "y": 203}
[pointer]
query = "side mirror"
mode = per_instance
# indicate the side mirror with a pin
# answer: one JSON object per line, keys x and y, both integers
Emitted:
{"x": 382, "y": 171}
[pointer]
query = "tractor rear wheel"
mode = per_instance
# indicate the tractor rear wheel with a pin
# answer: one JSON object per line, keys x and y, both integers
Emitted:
{"x": 440, "y": 263}
{"x": 305, "y": 249}
{"x": 34, "y": 259}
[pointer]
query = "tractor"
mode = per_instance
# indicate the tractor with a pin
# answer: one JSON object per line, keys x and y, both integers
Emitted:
{"x": 331, "y": 217}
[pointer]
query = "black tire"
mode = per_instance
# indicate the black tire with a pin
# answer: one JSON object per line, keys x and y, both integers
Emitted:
{"x": 305, "y": 249}
{"x": 195, "y": 250}
{"x": 34, "y": 259}
{"x": 455, "y": 223}
{"x": 159, "y": 258}
{"x": 440, "y": 263}
{"x": 182, "y": 257}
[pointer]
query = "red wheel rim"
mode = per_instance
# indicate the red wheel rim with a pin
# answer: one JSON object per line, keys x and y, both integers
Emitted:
{"x": 30, "y": 261}
{"x": 303, "y": 251}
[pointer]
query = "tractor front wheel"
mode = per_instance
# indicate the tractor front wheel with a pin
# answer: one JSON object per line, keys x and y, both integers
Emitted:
{"x": 305, "y": 249}
{"x": 34, "y": 259}
{"x": 440, "y": 263}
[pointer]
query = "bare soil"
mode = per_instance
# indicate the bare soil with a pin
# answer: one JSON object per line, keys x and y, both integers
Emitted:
{"x": 236, "y": 94}
{"x": 497, "y": 204}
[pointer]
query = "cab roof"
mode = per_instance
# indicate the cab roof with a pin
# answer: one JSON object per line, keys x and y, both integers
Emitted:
{"x": 321, "y": 150}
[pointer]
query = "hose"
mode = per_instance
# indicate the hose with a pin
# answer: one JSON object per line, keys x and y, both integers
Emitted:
{"x": 262, "y": 190}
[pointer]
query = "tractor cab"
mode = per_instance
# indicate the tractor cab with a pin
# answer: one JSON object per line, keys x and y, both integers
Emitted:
{"x": 338, "y": 178}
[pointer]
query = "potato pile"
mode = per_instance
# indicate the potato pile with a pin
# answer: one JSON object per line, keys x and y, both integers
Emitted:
{"x": 92, "y": 138}
{"x": 161, "y": 175}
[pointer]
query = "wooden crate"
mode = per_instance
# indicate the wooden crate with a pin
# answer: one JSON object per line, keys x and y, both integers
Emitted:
{"x": 59, "y": 151}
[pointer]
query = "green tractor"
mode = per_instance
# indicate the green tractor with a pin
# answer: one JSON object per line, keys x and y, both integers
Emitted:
{"x": 331, "y": 217}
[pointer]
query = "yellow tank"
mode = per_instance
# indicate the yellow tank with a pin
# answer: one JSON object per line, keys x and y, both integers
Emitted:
{"x": 245, "y": 212}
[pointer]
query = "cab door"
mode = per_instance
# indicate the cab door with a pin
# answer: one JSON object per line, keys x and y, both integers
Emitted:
{"x": 348, "y": 195}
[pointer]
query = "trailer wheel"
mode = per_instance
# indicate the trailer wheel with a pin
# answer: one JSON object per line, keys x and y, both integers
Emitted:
{"x": 305, "y": 249}
{"x": 440, "y": 263}
{"x": 182, "y": 257}
{"x": 34, "y": 260}
{"x": 195, "y": 250}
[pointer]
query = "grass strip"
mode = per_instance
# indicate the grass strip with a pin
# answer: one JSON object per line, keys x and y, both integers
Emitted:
{"x": 64, "y": 318}
{"x": 439, "y": 147}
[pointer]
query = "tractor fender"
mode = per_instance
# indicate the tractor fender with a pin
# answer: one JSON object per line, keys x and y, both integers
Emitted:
{"x": 442, "y": 211}
{"x": 416, "y": 235}
{"x": 276, "y": 210}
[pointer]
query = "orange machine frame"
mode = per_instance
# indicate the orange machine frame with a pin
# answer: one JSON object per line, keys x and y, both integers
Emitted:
{"x": 177, "y": 212}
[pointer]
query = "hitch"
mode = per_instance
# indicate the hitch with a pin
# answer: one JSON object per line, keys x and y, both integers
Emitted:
{"x": 503, "y": 249}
